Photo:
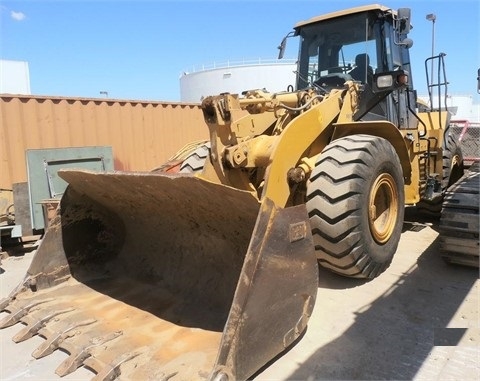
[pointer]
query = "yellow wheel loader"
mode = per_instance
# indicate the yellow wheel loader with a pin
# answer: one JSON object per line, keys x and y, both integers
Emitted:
{"x": 209, "y": 275}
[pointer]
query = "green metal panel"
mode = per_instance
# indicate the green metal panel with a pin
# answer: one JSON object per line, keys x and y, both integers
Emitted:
{"x": 43, "y": 180}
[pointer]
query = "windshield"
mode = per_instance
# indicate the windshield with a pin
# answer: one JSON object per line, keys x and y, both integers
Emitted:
{"x": 340, "y": 49}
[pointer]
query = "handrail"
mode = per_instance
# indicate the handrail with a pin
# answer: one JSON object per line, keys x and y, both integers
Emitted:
{"x": 239, "y": 63}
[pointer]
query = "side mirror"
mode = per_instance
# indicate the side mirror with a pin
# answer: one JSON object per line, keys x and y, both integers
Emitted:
{"x": 403, "y": 20}
{"x": 402, "y": 27}
{"x": 283, "y": 45}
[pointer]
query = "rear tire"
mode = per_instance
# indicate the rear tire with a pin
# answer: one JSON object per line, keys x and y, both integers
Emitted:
{"x": 452, "y": 163}
{"x": 195, "y": 162}
{"x": 452, "y": 171}
{"x": 355, "y": 202}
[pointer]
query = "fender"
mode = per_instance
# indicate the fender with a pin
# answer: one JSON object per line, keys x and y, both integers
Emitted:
{"x": 383, "y": 129}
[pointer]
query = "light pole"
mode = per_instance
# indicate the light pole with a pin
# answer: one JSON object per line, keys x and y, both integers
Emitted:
{"x": 431, "y": 17}
{"x": 104, "y": 93}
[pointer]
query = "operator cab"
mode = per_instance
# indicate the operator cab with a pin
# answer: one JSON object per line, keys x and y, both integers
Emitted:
{"x": 357, "y": 44}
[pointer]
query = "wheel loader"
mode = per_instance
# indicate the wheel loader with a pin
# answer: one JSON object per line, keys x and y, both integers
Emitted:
{"x": 209, "y": 275}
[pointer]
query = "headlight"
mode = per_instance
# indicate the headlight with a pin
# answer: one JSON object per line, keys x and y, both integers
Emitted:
{"x": 384, "y": 81}
{"x": 390, "y": 81}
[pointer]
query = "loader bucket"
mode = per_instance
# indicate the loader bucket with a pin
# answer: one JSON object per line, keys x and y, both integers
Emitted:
{"x": 166, "y": 277}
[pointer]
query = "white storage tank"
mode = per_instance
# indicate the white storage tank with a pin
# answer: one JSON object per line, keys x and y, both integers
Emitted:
{"x": 236, "y": 77}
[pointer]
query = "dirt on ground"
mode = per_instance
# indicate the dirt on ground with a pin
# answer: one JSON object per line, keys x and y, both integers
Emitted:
{"x": 417, "y": 321}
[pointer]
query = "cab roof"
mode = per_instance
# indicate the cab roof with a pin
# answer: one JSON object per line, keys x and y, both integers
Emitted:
{"x": 349, "y": 11}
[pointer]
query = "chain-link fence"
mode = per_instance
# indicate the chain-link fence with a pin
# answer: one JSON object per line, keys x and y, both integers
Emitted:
{"x": 468, "y": 134}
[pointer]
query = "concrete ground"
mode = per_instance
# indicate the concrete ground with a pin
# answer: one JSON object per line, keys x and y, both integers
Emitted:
{"x": 417, "y": 321}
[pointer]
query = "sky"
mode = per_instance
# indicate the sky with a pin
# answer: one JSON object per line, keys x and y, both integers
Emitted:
{"x": 138, "y": 49}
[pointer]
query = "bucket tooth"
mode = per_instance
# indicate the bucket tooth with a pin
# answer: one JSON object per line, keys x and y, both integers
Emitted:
{"x": 112, "y": 371}
{"x": 36, "y": 325}
{"x": 76, "y": 359}
{"x": 5, "y": 302}
{"x": 53, "y": 342}
{"x": 17, "y": 315}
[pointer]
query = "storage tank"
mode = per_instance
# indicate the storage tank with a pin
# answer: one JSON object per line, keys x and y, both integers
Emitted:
{"x": 14, "y": 77}
{"x": 236, "y": 77}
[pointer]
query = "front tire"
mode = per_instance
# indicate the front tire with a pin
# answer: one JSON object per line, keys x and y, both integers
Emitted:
{"x": 355, "y": 202}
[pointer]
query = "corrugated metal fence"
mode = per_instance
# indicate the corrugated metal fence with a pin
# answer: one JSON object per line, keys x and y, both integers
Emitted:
{"x": 143, "y": 134}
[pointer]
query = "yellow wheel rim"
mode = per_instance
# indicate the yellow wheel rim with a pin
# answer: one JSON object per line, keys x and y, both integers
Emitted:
{"x": 383, "y": 208}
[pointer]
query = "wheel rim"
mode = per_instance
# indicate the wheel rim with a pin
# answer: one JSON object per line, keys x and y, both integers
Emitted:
{"x": 383, "y": 208}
